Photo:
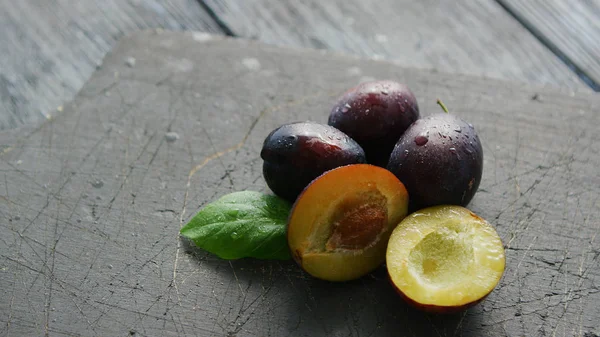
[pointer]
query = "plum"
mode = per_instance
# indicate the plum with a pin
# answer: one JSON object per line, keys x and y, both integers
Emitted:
{"x": 295, "y": 154}
{"x": 339, "y": 227}
{"x": 440, "y": 161}
{"x": 444, "y": 259}
{"x": 375, "y": 114}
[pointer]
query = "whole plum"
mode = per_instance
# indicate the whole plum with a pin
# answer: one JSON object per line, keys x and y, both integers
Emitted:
{"x": 440, "y": 161}
{"x": 297, "y": 153}
{"x": 375, "y": 114}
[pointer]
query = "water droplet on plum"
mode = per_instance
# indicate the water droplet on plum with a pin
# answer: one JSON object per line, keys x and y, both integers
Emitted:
{"x": 421, "y": 140}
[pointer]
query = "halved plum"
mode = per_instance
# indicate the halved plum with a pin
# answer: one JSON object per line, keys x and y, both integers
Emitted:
{"x": 444, "y": 259}
{"x": 339, "y": 226}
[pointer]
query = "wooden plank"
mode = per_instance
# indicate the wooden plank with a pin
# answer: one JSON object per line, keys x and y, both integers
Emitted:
{"x": 50, "y": 48}
{"x": 471, "y": 37}
{"x": 91, "y": 202}
{"x": 570, "y": 27}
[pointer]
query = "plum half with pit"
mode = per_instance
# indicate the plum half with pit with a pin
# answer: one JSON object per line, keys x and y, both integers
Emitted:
{"x": 375, "y": 114}
{"x": 294, "y": 154}
{"x": 440, "y": 161}
{"x": 339, "y": 227}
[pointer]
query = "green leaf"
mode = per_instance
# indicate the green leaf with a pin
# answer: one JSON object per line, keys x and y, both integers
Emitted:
{"x": 242, "y": 224}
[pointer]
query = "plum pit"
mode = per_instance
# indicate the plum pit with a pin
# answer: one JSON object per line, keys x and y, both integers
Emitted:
{"x": 358, "y": 222}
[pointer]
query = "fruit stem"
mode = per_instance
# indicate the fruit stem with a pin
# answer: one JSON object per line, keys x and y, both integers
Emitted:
{"x": 440, "y": 103}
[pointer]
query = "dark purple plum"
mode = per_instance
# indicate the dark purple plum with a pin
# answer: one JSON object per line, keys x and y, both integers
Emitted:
{"x": 297, "y": 153}
{"x": 440, "y": 161}
{"x": 375, "y": 114}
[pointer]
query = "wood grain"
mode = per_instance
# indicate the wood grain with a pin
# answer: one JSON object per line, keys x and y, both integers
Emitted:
{"x": 91, "y": 201}
{"x": 470, "y": 37}
{"x": 50, "y": 48}
{"x": 572, "y": 27}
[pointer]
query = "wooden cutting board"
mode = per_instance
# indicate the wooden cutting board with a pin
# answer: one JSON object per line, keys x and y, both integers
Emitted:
{"x": 92, "y": 200}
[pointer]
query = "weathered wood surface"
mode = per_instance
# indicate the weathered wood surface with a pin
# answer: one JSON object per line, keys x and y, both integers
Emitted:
{"x": 465, "y": 37}
{"x": 49, "y": 48}
{"x": 572, "y": 27}
{"x": 93, "y": 199}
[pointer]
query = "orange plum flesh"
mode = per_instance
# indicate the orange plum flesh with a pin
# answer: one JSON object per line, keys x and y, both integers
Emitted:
{"x": 340, "y": 225}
